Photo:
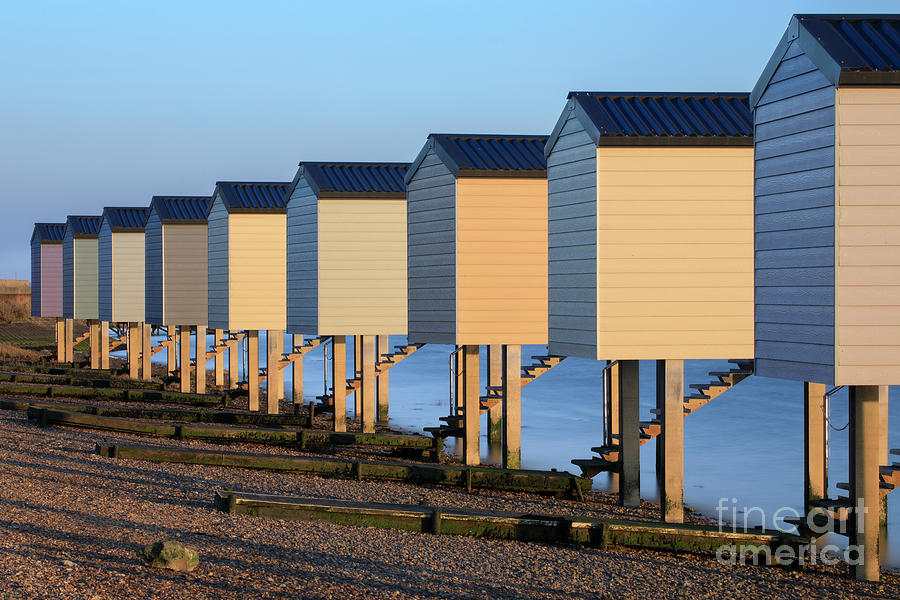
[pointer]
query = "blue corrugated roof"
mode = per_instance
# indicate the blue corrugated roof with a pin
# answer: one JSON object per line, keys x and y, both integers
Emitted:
{"x": 486, "y": 155}
{"x": 181, "y": 208}
{"x": 49, "y": 232}
{"x": 84, "y": 226}
{"x": 126, "y": 218}
{"x": 244, "y": 196}
{"x": 355, "y": 178}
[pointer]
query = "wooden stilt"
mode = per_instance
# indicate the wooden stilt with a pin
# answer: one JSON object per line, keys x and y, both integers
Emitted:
{"x": 614, "y": 402}
{"x": 495, "y": 374}
{"x": 60, "y": 339}
{"x": 629, "y": 434}
{"x": 95, "y": 343}
{"x": 883, "y": 449}
{"x": 815, "y": 472}
{"x": 184, "y": 345}
{"x": 339, "y": 378}
{"x": 471, "y": 406}
{"x": 104, "y": 344}
{"x": 367, "y": 389}
{"x": 274, "y": 344}
{"x": 233, "y": 366}
{"x": 670, "y": 443}
{"x": 171, "y": 350}
{"x": 382, "y": 347}
{"x": 69, "y": 330}
{"x": 253, "y": 369}
{"x": 200, "y": 358}
{"x": 219, "y": 366}
{"x": 146, "y": 351}
{"x": 511, "y": 407}
{"x": 357, "y": 372}
{"x": 864, "y": 481}
{"x": 133, "y": 350}
{"x": 297, "y": 372}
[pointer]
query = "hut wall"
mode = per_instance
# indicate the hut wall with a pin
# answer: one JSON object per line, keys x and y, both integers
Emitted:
{"x": 128, "y": 276}
{"x": 303, "y": 261}
{"x": 257, "y": 270}
{"x": 104, "y": 273}
{"x": 85, "y": 278}
{"x": 185, "y": 286}
{"x": 153, "y": 271}
{"x": 35, "y": 277}
{"x": 51, "y": 280}
{"x": 68, "y": 280}
{"x": 217, "y": 271}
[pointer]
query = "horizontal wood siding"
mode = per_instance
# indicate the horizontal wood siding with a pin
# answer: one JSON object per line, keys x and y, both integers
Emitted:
{"x": 501, "y": 261}
{"x": 68, "y": 259}
{"x": 153, "y": 270}
{"x": 51, "y": 280}
{"x": 35, "y": 277}
{"x": 184, "y": 283}
{"x": 794, "y": 213}
{"x": 104, "y": 273}
{"x": 362, "y": 267}
{"x": 302, "y": 261}
{"x": 572, "y": 239}
{"x": 674, "y": 253}
{"x": 257, "y": 256}
{"x": 217, "y": 271}
{"x": 86, "y": 255}
{"x": 431, "y": 252}
{"x": 868, "y": 236}
{"x": 128, "y": 276}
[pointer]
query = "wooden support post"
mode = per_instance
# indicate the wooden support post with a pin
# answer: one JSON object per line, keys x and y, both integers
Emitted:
{"x": 471, "y": 405}
{"x": 883, "y": 449}
{"x": 864, "y": 481}
{"x": 184, "y": 345}
{"x": 200, "y": 358}
{"x": 459, "y": 380}
{"x": 146, "y": 351}
{"x": 253, "y": 369}
{"x": 383, "y": 347}
{"x": 219, "y": 364}
{"x": 367, "y": 388}
{"x": 274, "y": 376}
{"x": 815, "y": 471}
{"x": 95, "y": 344}
{"x": 133, "y": 350}
{"x": 104, "y": 344}
{"x": 233, "y": 365}
{"x": 495, "y": 375}
{"x": 357, "y": 372}
{"x": 614, "y": 402}
{"x": 339, "y": 379}
{"x": 69, "y": 328}
{"x": 297, "y": 372}
{"x": 670, "y": 443}
{"x": 511, "y": 406}
{"x": 629, "y": 434}
{"x": 171, "y": 350}
{"x": 60, "y": 339}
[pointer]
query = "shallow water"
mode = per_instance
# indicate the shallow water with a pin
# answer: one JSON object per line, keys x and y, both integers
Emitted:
{"x": 745, "y": 446}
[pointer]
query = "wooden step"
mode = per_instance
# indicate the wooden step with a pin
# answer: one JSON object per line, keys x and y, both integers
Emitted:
{"x": 592, "y": 466}
{"x": 452, "y": 419}
{"x": 444, "y": 432}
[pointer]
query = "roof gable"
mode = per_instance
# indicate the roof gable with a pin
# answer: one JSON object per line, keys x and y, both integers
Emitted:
{"x": 126, "y": 218}
{"x": 49, "y": 233}
{"x": 181, "y": 209}
{"x": 376, "y": 180}
{"x": 253, "y": 197}
{"x": 486, "y": 155}
{"x": 83, "y": 226}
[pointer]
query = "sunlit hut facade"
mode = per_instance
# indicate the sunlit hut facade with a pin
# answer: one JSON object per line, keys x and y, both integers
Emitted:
{"x": 347, "y": 270}
{"x": 477, "y": 246}
{"x": 246, "y": 244}
{"x": 80, "y": 283}
{"x": 120, "y": 276}
{"x": 827, "y": 117}
{"x": 46, "y": 281}
{"x": 175, "y": 241}
{"x": 651, "y": 253}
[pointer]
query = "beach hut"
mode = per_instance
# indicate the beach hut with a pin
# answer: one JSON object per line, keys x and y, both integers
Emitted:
{"x": 46, "y": 281}
{"x": 246, "y": 241}
{"x": 120, "y": 278}
{"x": 826, "y": 111}
{"x": 477, "y": 266}
{"x": 80, "y": 283}
{"x": 651, "y": 251}
{"x": 176, "y": 284}
{"x": 347, "y": 269}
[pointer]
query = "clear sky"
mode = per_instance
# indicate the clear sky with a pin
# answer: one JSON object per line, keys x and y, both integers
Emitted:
{"x": 110, "y": 103}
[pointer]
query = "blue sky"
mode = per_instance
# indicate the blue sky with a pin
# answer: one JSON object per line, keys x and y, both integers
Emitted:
{"x": 109, "y": 103}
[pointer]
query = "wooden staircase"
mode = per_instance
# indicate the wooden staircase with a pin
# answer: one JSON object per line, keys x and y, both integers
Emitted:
{"x": 232, "y": 339}
{"x": 387, "y": 361}
{"x": 298, "y": 352}
{"x": 703, "y": 394}
{"x": 452, "y": 426}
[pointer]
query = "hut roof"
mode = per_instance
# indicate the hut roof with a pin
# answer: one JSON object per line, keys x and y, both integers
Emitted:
{"x": 253, "y": 197}
{"x": 354, "y": 179}
{"x": 84, "y": 226}
{"x": 126, "y": 218}
{"x": 49, "y": 233}
{"x": 486, "y": 155}
{"x": 181, "y": 209}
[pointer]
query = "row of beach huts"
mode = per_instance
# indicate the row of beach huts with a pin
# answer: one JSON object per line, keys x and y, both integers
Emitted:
{"x": 760, "y": 227}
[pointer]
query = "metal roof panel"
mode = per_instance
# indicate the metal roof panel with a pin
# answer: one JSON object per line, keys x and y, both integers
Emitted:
{"x": 247, "y": 196}
{"x": 49, "y": 232}
{"x": 126, "y": 218}
{"x": 84, "y": 226}
{"x": 181, "y": 208}
{"x": 356, "y": 178}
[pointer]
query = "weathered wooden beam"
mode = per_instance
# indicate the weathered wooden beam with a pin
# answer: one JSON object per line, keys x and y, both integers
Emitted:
{"x": 219, "y": 360}
{"x": 146, "y": 352}
{"x": 253, "y": 369}
{"x": 111, "y": 393}
{"x": 95, "y": 343}
{"x": 184, "y": 346}
{"x": 60, "y": 340}
{"x": 864, "y": 480}
{"x": 133, "y": 350}
{"x": 629, "y": 434}
{"x": 815, "y": 472}
{"x": 383, "y": 346}
{"x": 69, "y": 332}
{"x": 104, "y": 344}
{"x": 368, "y": 390}
{"x": 199, "y": 358}
{"x": 670, "y": 443}
{"x": 338, "y": 377}
{"x": 495, "y": 374}
{"x": 511, "y": 405}
{"x": 471, "y": 405}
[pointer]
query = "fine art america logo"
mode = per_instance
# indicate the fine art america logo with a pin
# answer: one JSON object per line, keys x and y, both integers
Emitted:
{"x": 819, "y": 521}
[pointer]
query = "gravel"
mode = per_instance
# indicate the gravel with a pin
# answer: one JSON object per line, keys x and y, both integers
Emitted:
{"x": 72, "y": 526}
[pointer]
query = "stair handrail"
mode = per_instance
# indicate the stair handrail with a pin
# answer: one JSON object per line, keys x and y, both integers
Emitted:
{"x": 607, "y": 434}
{"x": 453, "y": 375}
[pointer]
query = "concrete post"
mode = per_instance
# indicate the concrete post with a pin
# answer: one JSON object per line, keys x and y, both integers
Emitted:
{"x": 70, "y": 339}
{"x": 471, "y": 405}
{"x": 233, "y": 366}
{"x": 864, "y": 480}
{"x": 60, "y": 339}
{"x": 815, "y": 471}
{"x": 367, "y": 388}
{"x": 219, "y": 364}
{"x": 171, "y": 350}
{"x": 184, "y": 345}
{"x": 104, "y": 344}
{"x": 133, "y": 350}
{"x": 614, "y": 402}
{"x": 339, "y": 379}
{"x": 274, "y": 346}
{"x": 146, "y": 351}
{"x": 495, "y": 374}
{"x": 511, "y": 406}
{"x": 670, "y": 443}
{"x": 95, "y": 344}
{"x": 384, "y": 383}
{"x": 629, "y": 434}
{"x": 200, "y": 358}
{"x": 297, "y": 372}
{"x": 253, "y": 369}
